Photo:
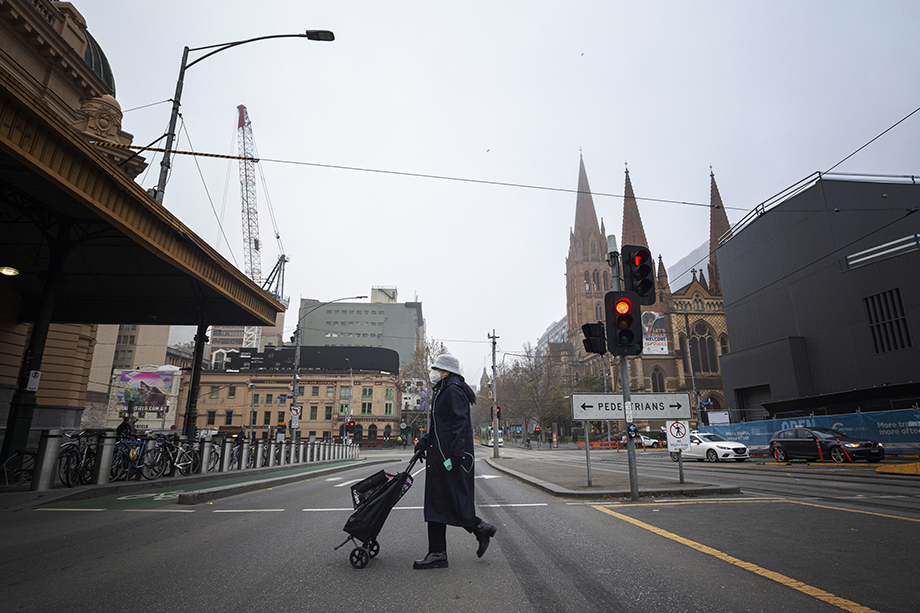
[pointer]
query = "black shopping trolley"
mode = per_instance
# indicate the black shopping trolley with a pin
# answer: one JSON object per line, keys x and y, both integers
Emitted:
{"x": 373, "y": 498}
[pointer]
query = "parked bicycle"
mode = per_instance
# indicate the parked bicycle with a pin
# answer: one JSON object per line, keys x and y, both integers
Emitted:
{"x": 77, "y": 458}
{"x": 183, "y": 457}
{"x": 17, "y": 470}
{"x": 138, "y": 455}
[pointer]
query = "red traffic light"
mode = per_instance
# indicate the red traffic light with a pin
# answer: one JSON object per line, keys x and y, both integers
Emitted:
{"x": 623, "y": 306}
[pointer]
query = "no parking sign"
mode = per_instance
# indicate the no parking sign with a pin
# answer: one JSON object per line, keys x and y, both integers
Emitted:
{"x": 678, "y": 435}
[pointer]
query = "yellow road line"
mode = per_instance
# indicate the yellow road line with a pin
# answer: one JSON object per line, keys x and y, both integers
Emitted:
{"x": 823, "y": 506}
{"x": 843, "y": 603}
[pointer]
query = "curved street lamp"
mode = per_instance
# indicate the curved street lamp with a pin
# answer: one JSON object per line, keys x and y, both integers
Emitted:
{"x": 320, "y": 35}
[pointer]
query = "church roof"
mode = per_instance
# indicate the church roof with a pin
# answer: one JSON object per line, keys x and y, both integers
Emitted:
{"x": 633, "y": 231}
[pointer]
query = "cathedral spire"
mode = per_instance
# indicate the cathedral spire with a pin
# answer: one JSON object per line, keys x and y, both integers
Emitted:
{"x": 585, "y": 215}
{"x": 633, "y": 232}
{"x": 718, "y": 226}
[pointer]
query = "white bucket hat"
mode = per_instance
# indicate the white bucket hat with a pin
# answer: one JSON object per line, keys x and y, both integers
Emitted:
{"x": 448, "y": 363}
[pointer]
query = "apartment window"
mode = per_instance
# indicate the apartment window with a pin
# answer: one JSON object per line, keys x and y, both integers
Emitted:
{"x": 131, "y": 340}
{"x": 330, "y": 392}
{"x": 267, "y": 418}
{"x": 328, "y": 412}
{"x": 367, "y": 393}
{"x": 345, "y": 392}
{"x": 313, "y": 410}
{"x": 214, "y": 390}
{"x": 280, "y": 417}
{"x": 315, "y": 392}
{"x": 255, "y": 399}
{"x": 212, "y": 417}
{"x": 228, "y": 418}
{"x": 387, "y": 408}
{"x": 128, "y": 354}
{"x": 389, "y": 394}
{"x": 231, "y": 392}
{"x": 887, "y": 321}
{"x": 268, "y": 398}
{"x": 366, "y": 408}
{"x": 300, "y": 390}
{"x": 343, "y": 408}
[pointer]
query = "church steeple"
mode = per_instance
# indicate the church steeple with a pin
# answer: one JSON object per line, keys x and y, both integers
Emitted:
{"x": 586, "y": 270}
{"x": 718, "y": 226}
{"x": 633, "y": 232}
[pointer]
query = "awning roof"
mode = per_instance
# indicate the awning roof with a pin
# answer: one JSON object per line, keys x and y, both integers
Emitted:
{"x": 129, "y": 259}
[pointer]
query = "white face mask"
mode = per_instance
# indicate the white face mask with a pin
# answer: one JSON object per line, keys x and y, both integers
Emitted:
{"x": 435, "y": 376}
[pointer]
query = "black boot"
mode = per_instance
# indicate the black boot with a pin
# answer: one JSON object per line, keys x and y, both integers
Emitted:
{"x": 432, "y": 560}
{"x": 483, "y": 532}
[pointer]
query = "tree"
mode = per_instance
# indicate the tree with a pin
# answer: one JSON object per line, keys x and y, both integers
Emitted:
{"x": 529, "y": 392}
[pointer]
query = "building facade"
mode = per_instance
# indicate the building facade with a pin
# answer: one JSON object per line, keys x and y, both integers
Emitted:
{"x": 383, "y": 322}
{"x": 822, "y": 299}
{"x": 255, "y": 393}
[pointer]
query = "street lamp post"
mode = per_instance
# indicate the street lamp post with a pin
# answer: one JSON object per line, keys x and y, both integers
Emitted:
{"x": 320, "y": 35}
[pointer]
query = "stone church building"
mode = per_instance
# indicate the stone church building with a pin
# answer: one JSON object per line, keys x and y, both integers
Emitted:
{"x": 690, "y": 317}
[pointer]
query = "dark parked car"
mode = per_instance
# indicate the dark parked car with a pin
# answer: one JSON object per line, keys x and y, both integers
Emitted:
{"x": 823, "y": 444}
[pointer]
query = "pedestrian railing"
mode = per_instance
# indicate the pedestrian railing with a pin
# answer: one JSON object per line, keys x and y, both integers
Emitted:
{"x": 108, "y": 459}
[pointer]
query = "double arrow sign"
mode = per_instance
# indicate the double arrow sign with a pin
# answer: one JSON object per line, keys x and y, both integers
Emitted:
{"x": 604, "y": 407}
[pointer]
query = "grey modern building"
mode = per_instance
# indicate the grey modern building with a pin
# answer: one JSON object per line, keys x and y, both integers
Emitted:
{"x": 382, "y": 322}
{"x": 822, "y": 299}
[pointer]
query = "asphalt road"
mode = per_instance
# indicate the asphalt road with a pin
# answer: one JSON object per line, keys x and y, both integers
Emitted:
{"x": 800, "y": 538}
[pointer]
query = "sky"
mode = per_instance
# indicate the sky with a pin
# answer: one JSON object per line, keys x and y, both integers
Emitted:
{"x": 434, "y": 146}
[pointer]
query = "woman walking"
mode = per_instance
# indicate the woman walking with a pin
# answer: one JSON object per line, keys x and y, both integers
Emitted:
{"x": 448, "y": 448}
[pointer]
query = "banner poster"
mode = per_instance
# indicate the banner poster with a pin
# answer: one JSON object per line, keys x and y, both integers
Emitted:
{"x": 149, "y": 391}
{"x": 654, "y": 334}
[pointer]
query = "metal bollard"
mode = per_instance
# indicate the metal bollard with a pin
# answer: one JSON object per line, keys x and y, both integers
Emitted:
{"x": 301, "y": 450}
{"x": 49, "y": 447}
{"x": 260, "y": 452}
{"x": 271, "y": 453}
{"x": 225, "y": 455}
{"x": 282, "y": 452}
{"x": 105, "y": 453}
{"x": 204, "y": 448}
{"x": 244, "y": 455}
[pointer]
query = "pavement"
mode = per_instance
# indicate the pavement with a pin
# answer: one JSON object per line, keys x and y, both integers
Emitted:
{"x": 537, "y": 468}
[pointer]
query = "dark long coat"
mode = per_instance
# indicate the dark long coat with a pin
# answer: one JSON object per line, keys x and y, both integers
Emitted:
{"x": 449, "y": 494}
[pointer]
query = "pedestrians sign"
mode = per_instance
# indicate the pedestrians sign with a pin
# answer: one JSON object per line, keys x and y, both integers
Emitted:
{"x": 678, "y": 435}
{"x": 604, "y": 407}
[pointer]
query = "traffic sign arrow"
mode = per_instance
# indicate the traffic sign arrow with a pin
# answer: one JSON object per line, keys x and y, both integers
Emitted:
{"x": 676, "y": 406}
{"x": 587, "y": 406}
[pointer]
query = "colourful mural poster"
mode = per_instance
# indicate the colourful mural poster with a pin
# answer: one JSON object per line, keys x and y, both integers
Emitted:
{"x": 654, "y": 334}
{"x": 148, "y": 391}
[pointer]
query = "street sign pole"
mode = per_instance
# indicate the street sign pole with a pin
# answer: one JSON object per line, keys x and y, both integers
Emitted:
{"x": 587, "y": 451}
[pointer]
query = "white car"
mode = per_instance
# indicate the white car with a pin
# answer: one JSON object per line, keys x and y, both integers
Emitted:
{"x": 641, "y": 440}
{"x": 712, "y": 447}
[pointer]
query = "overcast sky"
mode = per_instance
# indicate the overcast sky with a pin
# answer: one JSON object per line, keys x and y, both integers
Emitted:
{"x": 499, "y": 91}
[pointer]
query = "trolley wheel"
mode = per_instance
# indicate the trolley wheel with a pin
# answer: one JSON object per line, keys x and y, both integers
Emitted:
{"x": 373, "y": 548}
{"x": 359, "y": 557}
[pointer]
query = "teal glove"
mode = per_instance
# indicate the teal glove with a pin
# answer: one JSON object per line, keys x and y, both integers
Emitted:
{"x": 448, "y": 464}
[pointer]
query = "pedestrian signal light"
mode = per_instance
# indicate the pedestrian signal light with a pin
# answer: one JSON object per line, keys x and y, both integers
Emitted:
{"x": 595, "y": 341}
{"x": 638, "y": 273}
{"x": 624, "y": 325}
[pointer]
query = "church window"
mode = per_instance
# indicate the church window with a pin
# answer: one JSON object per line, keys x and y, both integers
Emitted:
{"x": 587, "y": 282}
{"x": 606, "y": 280}
{"x": 598, "y": 312}
{"x": 703, "y": 349}
{"x": 596, "y": 279}
{"x": 657, "y": 380}
{"x": 723, "y": 344}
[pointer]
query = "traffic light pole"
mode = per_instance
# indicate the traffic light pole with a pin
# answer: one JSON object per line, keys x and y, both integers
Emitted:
{"x": 613, "y": 258}
{"x": 495, "y": 450}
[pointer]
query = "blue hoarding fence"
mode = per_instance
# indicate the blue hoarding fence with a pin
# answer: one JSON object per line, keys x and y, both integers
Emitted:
{"x": 898, "y": 431}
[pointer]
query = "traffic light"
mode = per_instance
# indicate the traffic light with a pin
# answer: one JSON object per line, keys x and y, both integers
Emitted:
{"x": 498, "y": 413}
{"x": 639, "y": 273}
{"x": 595, "y": 342}
{"x": 624, "y": 323}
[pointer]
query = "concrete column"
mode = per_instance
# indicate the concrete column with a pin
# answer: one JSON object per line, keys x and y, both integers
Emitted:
{"x": 105, "y": 453}
{"x": 49, "y": 447}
